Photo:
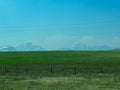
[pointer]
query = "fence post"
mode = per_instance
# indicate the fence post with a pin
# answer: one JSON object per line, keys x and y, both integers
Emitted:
{"x": 75, "y": 70}
{"x": 51, "y": 70}
{"x": 4, "y": 69}
{"x": 26, "y": 70}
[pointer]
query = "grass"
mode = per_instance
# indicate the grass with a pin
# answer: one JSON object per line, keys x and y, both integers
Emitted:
{"x": 83, "y": 58}
{"x": 60, "y": 62}
{"x": 60, "y": 70}
{"x": 98, "y": 82}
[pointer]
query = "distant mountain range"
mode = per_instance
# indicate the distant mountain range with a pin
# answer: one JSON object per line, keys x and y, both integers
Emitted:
{"x": 7, "y": 48}
{"x": 81, "y": 46}
{"x": 25, "y": 47}
{"x": 32, "y": 47}
{"x": 116, "y": 49}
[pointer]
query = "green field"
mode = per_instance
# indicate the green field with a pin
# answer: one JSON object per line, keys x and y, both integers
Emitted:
{"x": 83, "y": 58}
{"x": 60, "y": 70}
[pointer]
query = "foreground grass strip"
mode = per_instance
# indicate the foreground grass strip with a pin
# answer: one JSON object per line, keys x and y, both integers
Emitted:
{"x": 95, "y": 82}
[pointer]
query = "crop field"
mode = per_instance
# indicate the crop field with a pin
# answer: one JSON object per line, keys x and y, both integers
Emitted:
{"x": 60, "y": 70}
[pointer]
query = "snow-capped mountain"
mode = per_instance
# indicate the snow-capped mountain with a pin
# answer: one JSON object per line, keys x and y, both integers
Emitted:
{"x": 24, "y": 47}
{"x": 7, "y": 48}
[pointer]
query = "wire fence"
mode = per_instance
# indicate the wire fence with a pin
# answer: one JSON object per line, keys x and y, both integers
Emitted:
{"x": 54, "y": 69}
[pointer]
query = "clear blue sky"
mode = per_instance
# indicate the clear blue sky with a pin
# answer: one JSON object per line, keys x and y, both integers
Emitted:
{"x": 60, "y": 23}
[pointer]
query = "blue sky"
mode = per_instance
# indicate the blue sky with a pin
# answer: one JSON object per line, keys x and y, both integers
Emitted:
{"x": 60, "y": 23}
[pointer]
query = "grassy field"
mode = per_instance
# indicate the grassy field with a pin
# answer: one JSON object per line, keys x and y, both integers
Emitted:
{"x": 60, "y": 70}
{"x": 83, "y": 58}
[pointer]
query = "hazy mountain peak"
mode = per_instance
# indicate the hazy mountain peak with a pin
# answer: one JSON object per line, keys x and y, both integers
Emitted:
{"x": 7, "y": 48}
{"x": 29, "y": 46}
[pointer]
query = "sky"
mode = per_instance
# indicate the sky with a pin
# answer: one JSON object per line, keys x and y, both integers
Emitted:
{"x": 56, "y": 24}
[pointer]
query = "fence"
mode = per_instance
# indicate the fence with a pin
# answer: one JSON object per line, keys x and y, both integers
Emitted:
{"x": 54, "y": 69}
